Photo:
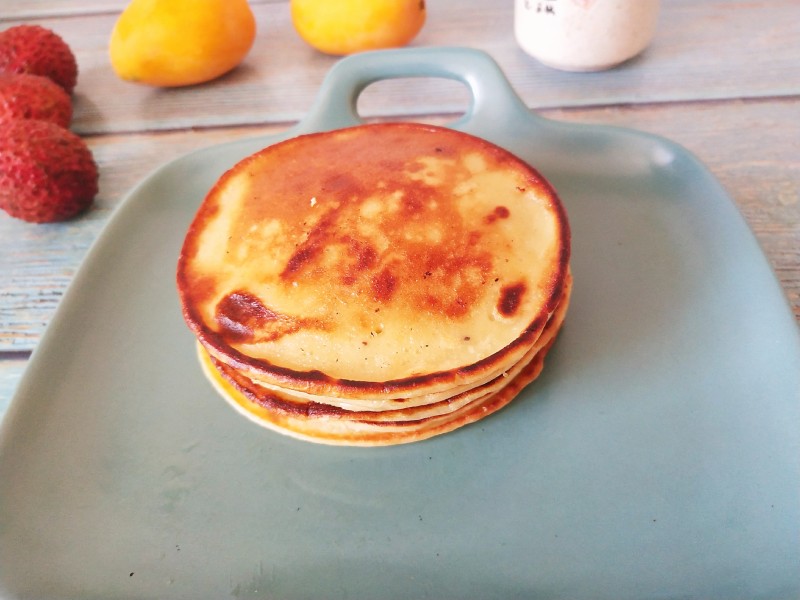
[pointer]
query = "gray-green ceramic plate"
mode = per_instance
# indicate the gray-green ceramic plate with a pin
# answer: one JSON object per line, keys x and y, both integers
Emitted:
{"x": 658, "y": 456}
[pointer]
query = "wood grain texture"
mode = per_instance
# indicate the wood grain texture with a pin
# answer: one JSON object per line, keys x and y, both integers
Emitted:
{"x": 702, "y": 50}
{"x": 37, "y": 9}
{"x": 11, "y": 370}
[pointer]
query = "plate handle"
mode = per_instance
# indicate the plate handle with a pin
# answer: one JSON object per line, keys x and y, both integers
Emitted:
{"x": 493, "y": 100}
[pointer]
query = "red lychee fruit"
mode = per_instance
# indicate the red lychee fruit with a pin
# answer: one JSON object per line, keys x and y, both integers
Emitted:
{"x": 39, "y": 51}
{"x": 47, "y": 173}
{"x": 25, "y": 96}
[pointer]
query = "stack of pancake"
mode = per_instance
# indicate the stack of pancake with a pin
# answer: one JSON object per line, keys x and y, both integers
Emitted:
{"x": 375, "y": 285}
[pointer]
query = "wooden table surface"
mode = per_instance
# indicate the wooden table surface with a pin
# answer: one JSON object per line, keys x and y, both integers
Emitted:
{"x": 722, "y": 78}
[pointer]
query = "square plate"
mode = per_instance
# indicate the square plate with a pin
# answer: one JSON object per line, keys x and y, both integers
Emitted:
{"x": 658, "y": 455}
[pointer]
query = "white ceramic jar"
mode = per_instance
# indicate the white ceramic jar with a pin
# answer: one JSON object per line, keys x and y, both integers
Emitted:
{"x": 584, "y": 35}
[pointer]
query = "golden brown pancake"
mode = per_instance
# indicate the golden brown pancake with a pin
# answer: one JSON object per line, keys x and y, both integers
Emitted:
{"x": 326, "y": 429}
{"x": 291, "y": 404}
{"x": 322, "y": 423}
{"x": 375, "y": 264}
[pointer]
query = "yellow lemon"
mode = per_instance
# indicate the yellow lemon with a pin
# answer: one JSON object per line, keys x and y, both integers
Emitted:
{"x": 180, "y": 42}
{"x": 348, "y": 26}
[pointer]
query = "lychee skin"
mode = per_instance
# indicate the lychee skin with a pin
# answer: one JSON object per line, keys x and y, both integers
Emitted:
{"x": 37, "y": 50}
{"x": 47, "y": 173}
{"x": 26, "y": 96}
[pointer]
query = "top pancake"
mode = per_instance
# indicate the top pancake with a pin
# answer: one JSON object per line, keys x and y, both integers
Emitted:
{"x": 395, "y": 258}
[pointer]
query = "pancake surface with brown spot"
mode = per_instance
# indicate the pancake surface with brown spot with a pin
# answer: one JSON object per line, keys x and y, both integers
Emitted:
{"x": 321, "y": 423}
{"x": 392, "y": 260}
{"x": 310, "y": 407}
